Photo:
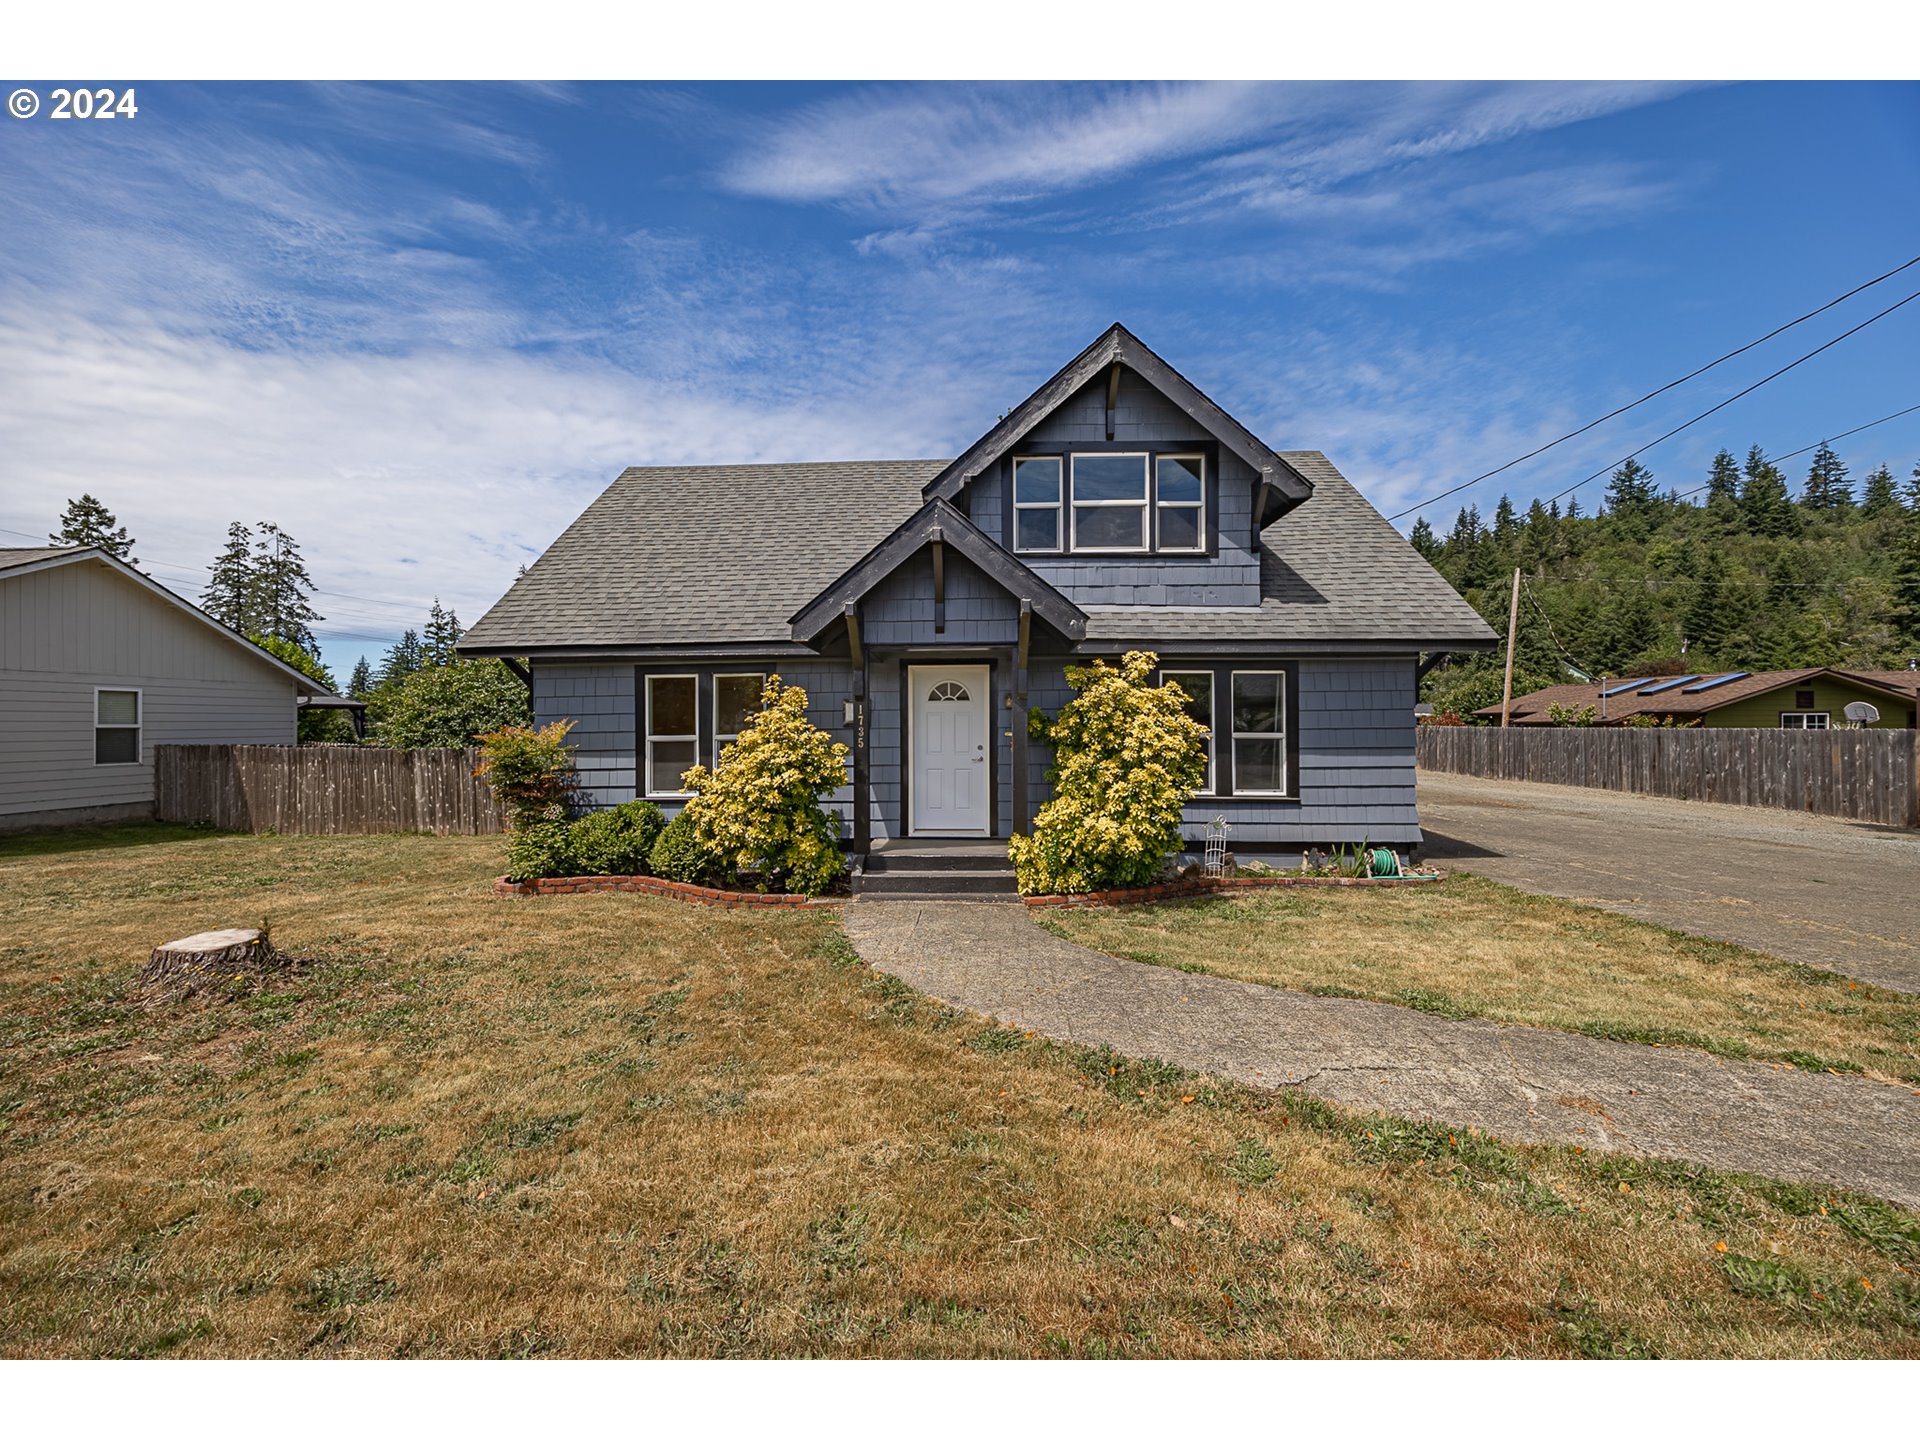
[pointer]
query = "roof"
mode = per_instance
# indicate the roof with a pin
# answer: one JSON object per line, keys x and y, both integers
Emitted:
{"x": 15, "y": 563}
{"x": 1332, "y": 570}
{"x": 1119, "y": 346}
{"x": 1696, "y": 694}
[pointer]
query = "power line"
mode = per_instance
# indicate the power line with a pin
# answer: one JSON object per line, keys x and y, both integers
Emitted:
{"x": 1791, "y": 454}
{"x": 1731, "y": 354}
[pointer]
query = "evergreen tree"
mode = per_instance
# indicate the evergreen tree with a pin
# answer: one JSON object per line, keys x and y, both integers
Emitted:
{"x": 1826, "y": 487}
{"x": 87, "y": 522}
{"x": 1573, "y": 507}
{"x": 1422, "y": 539}
{"x": 1905, "y": 615}
{"x": 1913, "y": 490}
{"x": 1764, "y": 505}
{"x": 1881, "y": 496}
{"x": 406, "y": 657}
{"x": 281, "y": 586}
{"x": 1723, "y": 490}
{"x": 1707, "y": 622}
{"x": 442, "y": 633}
{"x": 1504, "y": 522}
{"x": 1631, "y": 491}
{"x": 360, "y": 683}
{"x": 230, "y": 595}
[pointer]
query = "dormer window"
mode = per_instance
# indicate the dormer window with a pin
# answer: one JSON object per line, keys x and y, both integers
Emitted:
{"x": 1110, "y": 502}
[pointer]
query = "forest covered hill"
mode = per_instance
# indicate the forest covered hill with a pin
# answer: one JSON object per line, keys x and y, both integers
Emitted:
{"x": 1728, "y": 570}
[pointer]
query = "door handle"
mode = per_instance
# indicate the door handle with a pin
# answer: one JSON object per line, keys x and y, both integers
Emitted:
{"x": 979, "y": 759}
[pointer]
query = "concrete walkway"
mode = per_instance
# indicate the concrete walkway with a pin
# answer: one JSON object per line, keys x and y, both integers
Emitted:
{"x": 1832, "y": 893}
{"x": 1521, "y": 1083}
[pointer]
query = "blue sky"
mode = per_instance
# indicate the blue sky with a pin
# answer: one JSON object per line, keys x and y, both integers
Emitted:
{"x": 420, "y": 327}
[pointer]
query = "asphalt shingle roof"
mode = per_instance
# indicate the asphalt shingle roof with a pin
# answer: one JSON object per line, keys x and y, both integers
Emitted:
{"x": 18, "y": 555}
{"x": 725, "y": 554}
{"x": 1673, "y": 699}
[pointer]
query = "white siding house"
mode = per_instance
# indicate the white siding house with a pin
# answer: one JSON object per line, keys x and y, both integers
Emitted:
{"x": 99, "y": 664}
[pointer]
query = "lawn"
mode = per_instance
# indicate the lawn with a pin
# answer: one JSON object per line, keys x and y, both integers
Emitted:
{"x": 1472, "y": 947}
{"x": 614, "y": 1125}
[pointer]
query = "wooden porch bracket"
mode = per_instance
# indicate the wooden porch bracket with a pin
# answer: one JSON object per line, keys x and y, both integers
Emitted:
{"x": 1113, "y": 394}
{"x": 939, "y": 583}
{"x": 852, "y": 613}
{"x": 1018, "y": 720}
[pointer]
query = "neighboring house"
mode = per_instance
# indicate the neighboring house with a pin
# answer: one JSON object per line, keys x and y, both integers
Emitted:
{"x": 98, "y": 664}
{"x": 928, "y": 605}
{"x": 1810, "y": 699}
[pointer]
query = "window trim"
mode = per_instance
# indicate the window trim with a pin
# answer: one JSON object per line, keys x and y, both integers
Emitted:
{"x": 1199, "y": 507}
{"x": 1825, "y": 717}
{"x": 1213, "y": 721}
{"x": 138, "y": 727}
{"x": 1281, "y": 735}
{"x": 1144, "y": 504}
{"x": 1016, "y": 505}
{"x": 651, "y": 737}
{"x": 721, "y": 737}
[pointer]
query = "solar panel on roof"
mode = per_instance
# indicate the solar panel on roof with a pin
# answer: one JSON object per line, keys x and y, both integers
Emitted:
{"x": 1669, "y": 684}
{"x": 1716, "y": 680}
{"x": 1625, "y": 685}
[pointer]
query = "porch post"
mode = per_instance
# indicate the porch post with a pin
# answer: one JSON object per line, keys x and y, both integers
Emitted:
{"x": 862, "y": 781}
{"x": 1019, "y": 721}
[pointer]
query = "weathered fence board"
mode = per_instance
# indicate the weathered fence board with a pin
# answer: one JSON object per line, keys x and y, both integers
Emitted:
{"x": 1854, "y": 774}
{"x": 323, "y": 789}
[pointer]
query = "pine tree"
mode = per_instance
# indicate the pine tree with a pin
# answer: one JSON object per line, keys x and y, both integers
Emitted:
{"x": 1707, "y": 622}
{"x": 1573, "y": 508}
{"x": 1905, "y": 614}
{"x": 442, "y": 633}
{"x": 1881, "y": 496}
{"x": 360, "y": 683}
{"x": 281, "y": 586}
{"x": 1826, "y": 487}
{"x": 87, "y": 522}
{"x": 231, "y": 596}
{"x": 1422, "y": 539}
{"x": 1631, "y": 492}
{"x": 406, "y": 657}
{"x": 1764, "y": 505}
{"x": 1504, "y": 522}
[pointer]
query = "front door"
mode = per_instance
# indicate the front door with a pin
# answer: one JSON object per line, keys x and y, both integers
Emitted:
{"x": 949, "y": 786}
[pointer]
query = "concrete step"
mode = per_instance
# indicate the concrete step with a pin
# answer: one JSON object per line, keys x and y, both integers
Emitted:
{"x": 928, "y": 861}
{"x": 942, "y": 897}
{"x": 899, "y": 880}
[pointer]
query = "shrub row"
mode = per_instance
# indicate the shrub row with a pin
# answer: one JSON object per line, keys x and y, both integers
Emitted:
{"x": 616, "y": 841}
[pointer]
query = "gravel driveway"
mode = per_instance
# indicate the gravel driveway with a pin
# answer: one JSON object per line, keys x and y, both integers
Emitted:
{"x": 1832, "y": 893}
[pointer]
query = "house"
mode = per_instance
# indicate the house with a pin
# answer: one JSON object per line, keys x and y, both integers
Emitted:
{"x": 1808, "y": 699}
{"x": 98, "y": 664}
{"x": 927, "y": 606}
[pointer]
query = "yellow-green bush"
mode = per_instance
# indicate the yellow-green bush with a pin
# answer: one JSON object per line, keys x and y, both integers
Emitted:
{"x": 1127, "y": 757}
{"x": 758, "y": 809}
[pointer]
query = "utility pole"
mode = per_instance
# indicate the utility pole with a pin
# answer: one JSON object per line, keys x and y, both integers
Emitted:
{"x": 1513, "y": 624}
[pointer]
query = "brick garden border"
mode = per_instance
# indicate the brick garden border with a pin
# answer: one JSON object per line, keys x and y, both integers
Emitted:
{"x": 1207, "y": 885}
{"x": 654, "y": 885}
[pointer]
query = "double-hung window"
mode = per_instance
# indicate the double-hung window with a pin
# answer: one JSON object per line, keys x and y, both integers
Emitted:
{"x": 1803, "y": 720}
{"x": 735, "y": 697}
{"x": 1259, "y": 732}
{"x": 1198, "y": 685}
{"x": 116, "y": 727}
{"x": 673, "y": 732}
{"x": 1180, "y": 496}
{"x": 1036, "y": 504}
{"x": 1110, "y": 502}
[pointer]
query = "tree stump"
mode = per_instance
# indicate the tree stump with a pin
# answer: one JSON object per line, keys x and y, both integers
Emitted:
{"x": 210, "y": 959}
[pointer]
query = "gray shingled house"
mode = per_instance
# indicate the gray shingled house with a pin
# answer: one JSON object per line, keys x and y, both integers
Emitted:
{"x": 927, "y": 605}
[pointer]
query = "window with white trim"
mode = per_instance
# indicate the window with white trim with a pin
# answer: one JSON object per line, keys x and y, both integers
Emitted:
{"x": 1110, "y": 502}
{"x": 1180, "y": 502}
{"x": 673, "y": 732}
{"x": 735, "y": 697}
{"x": 1259, "y": 732}
{"x": 116, "y": 727}
{"x": 1198, "y": 685}
{"x": 1036, "y": 504}
{"x": 1804, "y": 720}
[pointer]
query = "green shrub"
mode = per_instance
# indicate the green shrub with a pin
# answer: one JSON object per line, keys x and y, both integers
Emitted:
{"x": 449, "y": 705}
{"x": 677, "y": 854}
{"x": 759, "y": 809}
{"x": 539, "y": 850}
{"x": 530, "y": 772}
{"x": 616, "y": 841}
{"x": 1127, "y": 758}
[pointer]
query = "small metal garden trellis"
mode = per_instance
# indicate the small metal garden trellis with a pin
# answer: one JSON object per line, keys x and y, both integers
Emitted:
{"x": 1217, "y": 845}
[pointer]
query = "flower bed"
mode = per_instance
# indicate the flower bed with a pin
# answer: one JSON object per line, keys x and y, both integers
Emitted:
{"x": 654, "y": 885}
{"x": 1209, "y": 884}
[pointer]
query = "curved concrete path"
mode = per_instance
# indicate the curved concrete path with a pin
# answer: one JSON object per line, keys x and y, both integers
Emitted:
{"x": 1522, "y": 1083}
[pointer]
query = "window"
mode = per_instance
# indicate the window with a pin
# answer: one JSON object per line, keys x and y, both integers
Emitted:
{"x": 1803, "y": 699}
{"x": 949, "y": 690}
{"x": 1036, "y": 503}
{"x": 1199, "y": 687}
{"x": 1179, "y": 495}
{"x": 1803, "y": 720}
{"x": 116, "y": 727}
{"x": 735, "y": 697}
{"x": 673, "y": 734}
{"x": 1110, "y": 502}
{"x": 1259, "y": 732}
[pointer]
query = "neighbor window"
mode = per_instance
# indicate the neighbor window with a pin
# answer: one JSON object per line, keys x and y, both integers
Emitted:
{"x": 1110, "y": 502}
{"x": 673, "y": 732}
{"x": 1804, "y": 720}
{"x": 1259, "y": 732}
{"x": 1199, "y": 687}
{"x": 1179, "y": 495}
{"x": 1036, "y": 503}
{"x": 735, "y": 697}
{"x": 116, "y": 727}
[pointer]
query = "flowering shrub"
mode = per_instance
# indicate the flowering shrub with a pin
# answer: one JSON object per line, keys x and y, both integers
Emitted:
{"x": 1127, "y": 757}
{"x": 529, "y": 771}
{"x": 759, "y": 808}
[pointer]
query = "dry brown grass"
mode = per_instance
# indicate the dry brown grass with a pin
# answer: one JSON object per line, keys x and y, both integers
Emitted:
{"x": 1474, "y": 947}
{"x": 610, "y": 1124}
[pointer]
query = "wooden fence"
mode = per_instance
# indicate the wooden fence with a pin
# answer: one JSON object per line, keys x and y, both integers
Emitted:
{"x": 322, "y": 789}
{"x": 1855, "y": 774}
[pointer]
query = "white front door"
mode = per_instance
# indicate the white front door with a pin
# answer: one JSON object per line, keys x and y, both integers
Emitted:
{"x": 949, "y": 785}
